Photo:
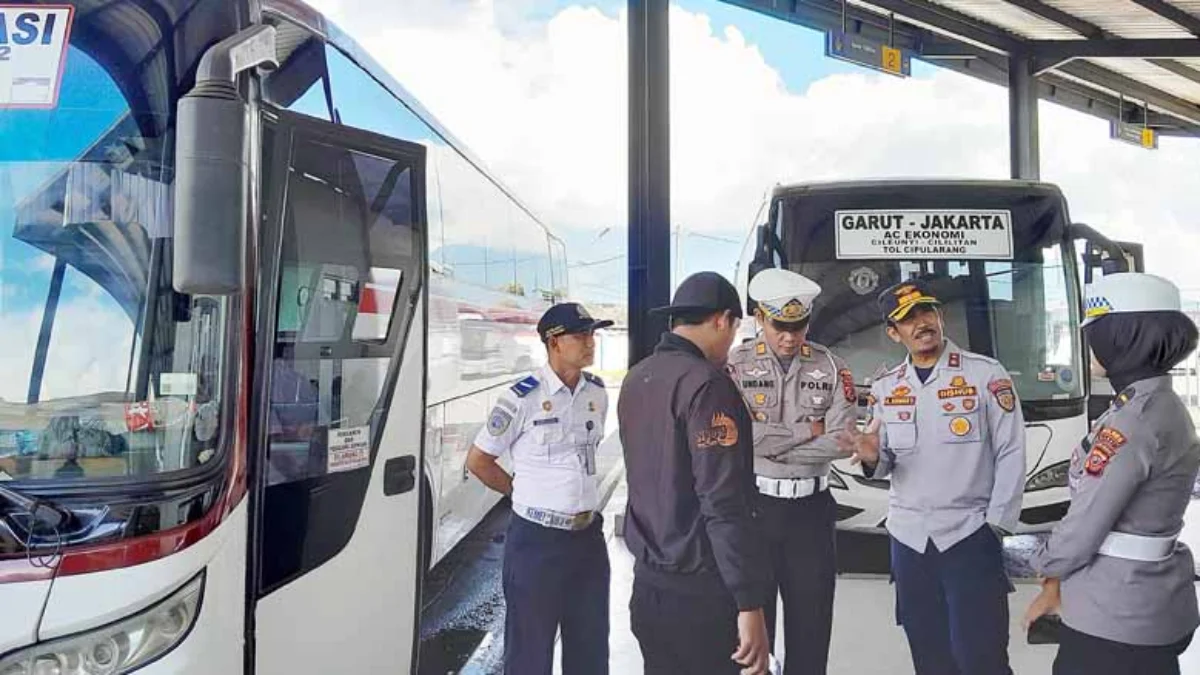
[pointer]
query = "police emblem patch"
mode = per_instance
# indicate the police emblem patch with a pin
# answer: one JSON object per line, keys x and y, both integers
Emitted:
{"x": 547, "y": 406}
{"x": 1003, "y": 392}
{"x": 948, "y": 407}
{"x": 958, "y": 381}
{"x": 960, "y": 426}
{"x": 760, "y": 399}
{"x": 848, "y": 389}
{"x": 905, "y": 416}
{"x": 968, "y": 404}
{"x": 499, "y": 421}
{"x": 818, "y": 400}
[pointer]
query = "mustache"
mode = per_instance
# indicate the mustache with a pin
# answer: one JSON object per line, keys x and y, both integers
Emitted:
{"x": 924, "y": 330}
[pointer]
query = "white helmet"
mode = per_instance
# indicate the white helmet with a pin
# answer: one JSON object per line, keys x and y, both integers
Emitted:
{"x": 1128, "y": 293}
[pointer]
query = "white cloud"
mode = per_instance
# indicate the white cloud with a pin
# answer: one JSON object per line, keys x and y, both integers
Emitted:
{"x": 546, "y": 108}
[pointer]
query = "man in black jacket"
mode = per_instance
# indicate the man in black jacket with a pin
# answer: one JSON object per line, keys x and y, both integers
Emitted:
{"x": 700, "y": 571}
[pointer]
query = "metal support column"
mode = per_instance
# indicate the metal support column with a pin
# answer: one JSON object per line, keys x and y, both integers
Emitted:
{"x": 1023, "y": 117}
{"x": 649, "y": 174}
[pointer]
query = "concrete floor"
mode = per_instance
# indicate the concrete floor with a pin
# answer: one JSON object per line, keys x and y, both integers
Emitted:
{"x": 863, "y": 607}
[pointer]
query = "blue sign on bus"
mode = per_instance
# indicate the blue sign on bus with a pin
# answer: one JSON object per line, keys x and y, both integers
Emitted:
{"x": 864, "y": 52}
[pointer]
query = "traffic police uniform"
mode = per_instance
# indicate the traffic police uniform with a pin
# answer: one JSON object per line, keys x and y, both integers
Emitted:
{"x": 1128, "y": 596}
{"x": 556, "y": 569}
{"x": 954, "y": 448}
{"x": 698, "y": 554}
{"x": 796, "y": 409}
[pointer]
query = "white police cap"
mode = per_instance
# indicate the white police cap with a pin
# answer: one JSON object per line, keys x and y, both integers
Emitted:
{"x": 1127, "y": 293}
{"x": 783, "y": 295}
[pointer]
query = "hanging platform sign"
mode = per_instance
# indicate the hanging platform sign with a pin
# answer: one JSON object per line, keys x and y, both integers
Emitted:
{"x": 952, "y": 234}
{"x": 1134, "y": 134}
{"x": 875, "y": 55}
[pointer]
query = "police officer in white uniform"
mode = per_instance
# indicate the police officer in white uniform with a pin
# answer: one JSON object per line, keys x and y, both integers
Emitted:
{"x": 800, "y": 396}
{"x": 1113, "y": 568}
{"x": 556, "y": 569}
{"x": 948, "y": 430}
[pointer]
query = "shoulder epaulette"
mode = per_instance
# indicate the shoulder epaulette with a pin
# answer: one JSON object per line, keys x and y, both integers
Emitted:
{"x": 593, "y": 379}
{"x": 522, "y": 388}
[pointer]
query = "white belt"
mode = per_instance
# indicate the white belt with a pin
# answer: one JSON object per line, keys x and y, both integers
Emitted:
{"x": 1137, "y": 547}
{"x": 555, "y": 519}
{"x": 791, "y": 488}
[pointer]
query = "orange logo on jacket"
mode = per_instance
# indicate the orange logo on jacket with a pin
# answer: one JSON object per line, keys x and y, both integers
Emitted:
{"x": 723, "y": 433}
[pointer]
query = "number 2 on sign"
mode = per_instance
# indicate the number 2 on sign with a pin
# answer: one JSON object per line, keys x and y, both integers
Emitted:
{"x": 891, "y": 59}
{"x": 5, "y": 53}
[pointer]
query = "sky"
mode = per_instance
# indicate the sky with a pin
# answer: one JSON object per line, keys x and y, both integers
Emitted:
{"x": 537, "y": 89}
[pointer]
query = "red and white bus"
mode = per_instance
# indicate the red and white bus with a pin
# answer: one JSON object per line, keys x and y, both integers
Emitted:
{"x": 254, "y": 302}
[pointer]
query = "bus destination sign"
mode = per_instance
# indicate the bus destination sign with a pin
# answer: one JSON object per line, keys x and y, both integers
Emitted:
{"x": 952, "y": 234}
{"x": 33, "y": 50}
{"x": 864, "y": 52}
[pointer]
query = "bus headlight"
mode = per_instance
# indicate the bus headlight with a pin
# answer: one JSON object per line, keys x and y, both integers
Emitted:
{"x": 1053, "y": 476}
{"x": 119, "y": 647}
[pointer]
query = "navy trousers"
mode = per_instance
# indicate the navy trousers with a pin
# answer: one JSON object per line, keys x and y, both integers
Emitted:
{"x": 555, "y": 579}
{"x": 1083, "y": 654}
{"x": 953, "y": 605}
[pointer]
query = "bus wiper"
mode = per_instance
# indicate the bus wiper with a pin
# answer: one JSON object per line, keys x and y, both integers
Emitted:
{"x": 41, "y": 511}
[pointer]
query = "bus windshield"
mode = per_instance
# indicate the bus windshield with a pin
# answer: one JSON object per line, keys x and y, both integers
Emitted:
{"x": 106, "y": 372}
{"x": 1021, "y": 311}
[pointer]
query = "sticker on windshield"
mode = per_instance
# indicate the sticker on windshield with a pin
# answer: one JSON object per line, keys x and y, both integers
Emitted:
{"x": 953, "y": 234}
{"x": 349, "y": 449}
{"x": 33, "y": 52}
{"x": 177, "y": 384}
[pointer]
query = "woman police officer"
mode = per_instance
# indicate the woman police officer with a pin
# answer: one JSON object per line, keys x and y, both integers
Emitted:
{"x": 1113, "y": 568}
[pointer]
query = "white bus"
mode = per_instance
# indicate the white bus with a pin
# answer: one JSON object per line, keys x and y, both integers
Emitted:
{"x": 999, "y": 254}
{"x": 254, "y": 304}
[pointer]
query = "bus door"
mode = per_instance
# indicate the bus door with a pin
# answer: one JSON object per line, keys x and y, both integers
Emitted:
{"x": 339, "y": 376}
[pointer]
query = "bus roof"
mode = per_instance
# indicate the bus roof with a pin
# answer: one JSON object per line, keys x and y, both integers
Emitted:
{"x": 930, "y": 186}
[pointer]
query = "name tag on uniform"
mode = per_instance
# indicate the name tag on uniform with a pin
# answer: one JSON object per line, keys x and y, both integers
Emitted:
{"x": 544, "y": 422}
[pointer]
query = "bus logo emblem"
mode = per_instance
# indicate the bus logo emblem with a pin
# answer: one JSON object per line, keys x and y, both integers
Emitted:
{"x": 863, "y": 280}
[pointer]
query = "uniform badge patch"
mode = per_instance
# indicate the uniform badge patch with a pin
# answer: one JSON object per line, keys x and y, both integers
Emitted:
{"x": 805, "y": 351}
{"x": 848, "y": 389}
{"x": 591, "y": 406}
{"x": 955, "y": 360}
{"x": 760, "y": 416}
{"x": 1105, "y": 445}
{"x": 547, "y": 406}
{"x": 948, "y": 406}
{"x": 760, "y": 399}
{"x": 956, "y": 391}
{"x": 958, "y": 381}
{"x": 968, "y": 404}
{"x": 723, "y": 433}
{"x": 905, "y": 416}
{"x": 499, "y": 421}
{"x": 1003, "y": 391}
{"x": 818, "y": 400}
{"x": 760, "y": 349}
{"x": 818, "y": 374}
{"x": 960, "y": 426}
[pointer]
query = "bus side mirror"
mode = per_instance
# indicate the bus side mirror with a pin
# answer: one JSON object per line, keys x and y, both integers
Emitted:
{"x": 210, "y": 194}
{"x": 210, "y": 166}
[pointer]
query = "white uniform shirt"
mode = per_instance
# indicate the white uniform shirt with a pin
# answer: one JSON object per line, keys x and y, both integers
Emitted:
{"x": 552, "y": 434}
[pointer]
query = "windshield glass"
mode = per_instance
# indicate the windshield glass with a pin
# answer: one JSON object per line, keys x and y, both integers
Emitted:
{"x": 105, "y": 371}
{"x": 1021, "y": 310}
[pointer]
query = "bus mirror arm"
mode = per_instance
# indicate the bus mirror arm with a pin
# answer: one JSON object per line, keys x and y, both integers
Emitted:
{"x": 210, "y": 166}
{"x": 1116, "y": 254}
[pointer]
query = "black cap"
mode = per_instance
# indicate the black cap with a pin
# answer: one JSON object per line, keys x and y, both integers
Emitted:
{"x": 897, "y": 301}
{"x": 703, "y": 292}
{"x": 567, "y": 318}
